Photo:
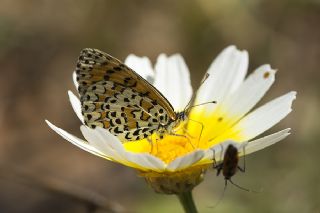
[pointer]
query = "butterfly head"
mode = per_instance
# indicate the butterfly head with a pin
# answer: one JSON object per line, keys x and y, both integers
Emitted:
{"x": 181, "y": 116}
{"x": 172, "y": 125}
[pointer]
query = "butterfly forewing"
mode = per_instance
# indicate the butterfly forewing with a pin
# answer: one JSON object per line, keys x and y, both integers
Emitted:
{"x": 116, "y": 98}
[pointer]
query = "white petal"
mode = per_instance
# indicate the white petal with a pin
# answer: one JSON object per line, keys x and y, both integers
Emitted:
{"x": 226, "y": 73}
{"x": 74, "y": 78}
{"x": 173, "y": 80}
{"x": 249, "y": 92}
{"x": 102, "y": 142}
{"x": 76, "y": 141}
{"x": 146, "y": 161}
{"x": 141, "y": 65}
{"x": 217, "y": 151}
{"x": 266, "y": 141}
{"x": 214, "y": 152}
{"x": 108, "y": 143}
{"x": 266, "y": 116}
{"x": 236, "y": 105}
{"x": 76, "y": 105}
{"x": 186, "y": 161}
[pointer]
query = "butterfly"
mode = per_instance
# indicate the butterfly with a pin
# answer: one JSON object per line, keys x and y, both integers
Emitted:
{"x": 116, "y": 98}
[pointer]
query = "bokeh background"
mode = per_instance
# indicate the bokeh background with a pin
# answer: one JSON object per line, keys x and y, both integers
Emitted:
{"x": 39, "y": 44}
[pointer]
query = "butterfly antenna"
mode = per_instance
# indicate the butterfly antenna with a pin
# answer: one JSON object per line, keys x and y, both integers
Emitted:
{"x": 205, "y": 77}
{"x": 188, "y": 107}
{"x": 204, "y": 103}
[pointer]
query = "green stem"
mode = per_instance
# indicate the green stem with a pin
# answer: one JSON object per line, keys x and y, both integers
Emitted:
{"x": 187, "y": 202}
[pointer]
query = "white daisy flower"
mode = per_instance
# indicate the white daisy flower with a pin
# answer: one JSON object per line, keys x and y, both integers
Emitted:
{"x": 177, "y": 164}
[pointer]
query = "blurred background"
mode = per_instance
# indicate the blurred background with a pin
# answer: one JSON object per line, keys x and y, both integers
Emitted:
{"x": 39, "y": 45}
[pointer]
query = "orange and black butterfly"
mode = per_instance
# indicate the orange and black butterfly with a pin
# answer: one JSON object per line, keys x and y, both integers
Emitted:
{"x": 116, "y": 98}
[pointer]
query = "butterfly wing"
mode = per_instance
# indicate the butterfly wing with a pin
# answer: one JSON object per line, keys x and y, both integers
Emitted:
{"x": 115, "y": 97}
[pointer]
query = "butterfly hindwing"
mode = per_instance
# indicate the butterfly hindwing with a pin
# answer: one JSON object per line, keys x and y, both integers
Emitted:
{"x": 116, "y": 98}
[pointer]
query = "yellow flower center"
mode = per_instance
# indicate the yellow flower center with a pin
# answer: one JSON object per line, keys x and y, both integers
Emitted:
{"x": 201, "y": 132}
{"x": 167, "y": 149}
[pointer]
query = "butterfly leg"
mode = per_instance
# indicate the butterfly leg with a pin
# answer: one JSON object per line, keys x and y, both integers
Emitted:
{"x": 200, "y": 123}
{"x": 149, "y": 139}
{"x": 185, "y": 136}
{"x": 185, "y": 130}
{"x": 152, "y": 150}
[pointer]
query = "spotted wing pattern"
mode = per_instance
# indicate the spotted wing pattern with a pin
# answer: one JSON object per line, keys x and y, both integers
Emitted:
{"x": 116, "y": 98}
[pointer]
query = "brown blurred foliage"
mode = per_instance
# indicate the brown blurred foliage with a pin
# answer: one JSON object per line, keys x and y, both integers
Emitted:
{"x": 40, "y": 42}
